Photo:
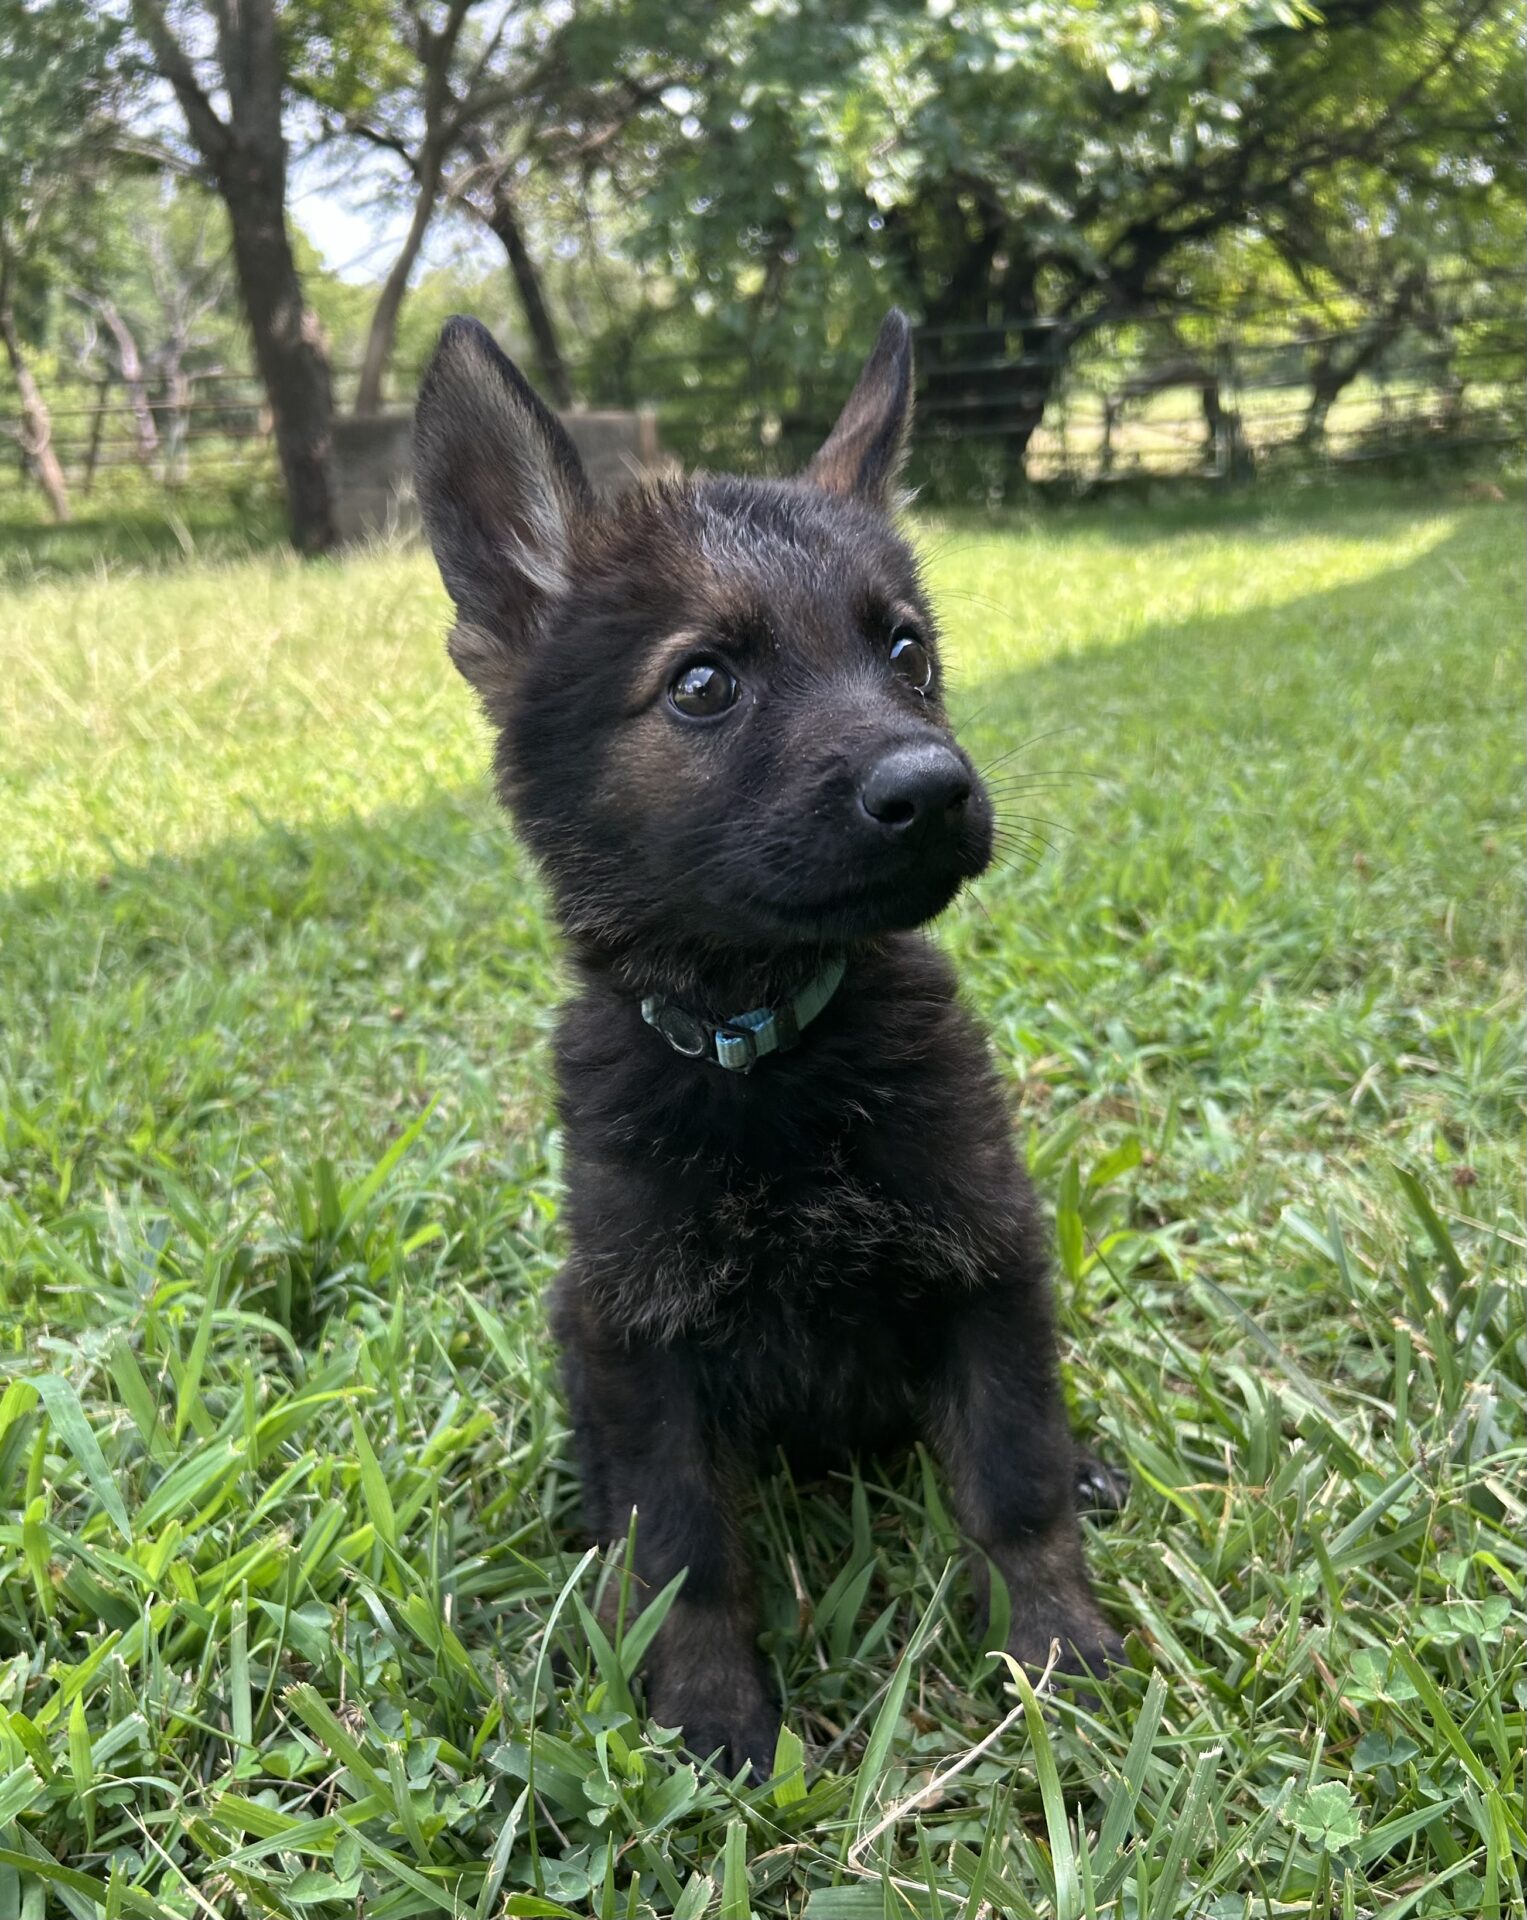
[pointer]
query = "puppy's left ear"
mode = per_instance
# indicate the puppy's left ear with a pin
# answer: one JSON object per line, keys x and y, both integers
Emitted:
{"x": 862, "y": 456}
{"x": 504, "y": 501}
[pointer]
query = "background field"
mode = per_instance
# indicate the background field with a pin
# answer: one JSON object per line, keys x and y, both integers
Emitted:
{"x": 292, "y": 1607}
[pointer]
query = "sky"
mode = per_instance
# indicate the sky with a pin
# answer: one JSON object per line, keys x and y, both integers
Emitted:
{"x": 342, "y": 202}
{"x": 342, "y": 212}
{"x": 358, "y": 229}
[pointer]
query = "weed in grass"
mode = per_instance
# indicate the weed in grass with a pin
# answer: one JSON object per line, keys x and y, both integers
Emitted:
{"x": 292, "y": 1612}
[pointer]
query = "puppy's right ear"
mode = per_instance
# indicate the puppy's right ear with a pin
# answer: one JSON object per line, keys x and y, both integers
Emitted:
{"x": 502, "y": 491}
{"x": 862, "y": 455}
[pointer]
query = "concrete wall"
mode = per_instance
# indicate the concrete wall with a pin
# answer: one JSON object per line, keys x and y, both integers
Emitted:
{"x": 374, "y": 483}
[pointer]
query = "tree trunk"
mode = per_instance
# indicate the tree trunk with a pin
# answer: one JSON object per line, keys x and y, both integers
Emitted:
{"x": 36, "y": 423}
{"x": 982, "y": 307}
{"x": 177, "y": 431}
{"x": 288, "y": 345}
{"x": 97, "y": 427}
{"x": 976, "y": 385}
{"x": 501, "y": 217}
{"x": 1331, "y": 375}
{"x": 246, "y": 156}
{"x": 389, "y": 302}
{"x": 130, "y": 365}
{"x": 1324, "y": 389}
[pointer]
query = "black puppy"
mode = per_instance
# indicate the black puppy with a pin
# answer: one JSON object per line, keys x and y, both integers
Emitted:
{"x": 794, "y": 1213}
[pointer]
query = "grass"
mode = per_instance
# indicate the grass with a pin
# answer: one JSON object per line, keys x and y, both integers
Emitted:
{"x": 129, "y": 519}
{"x": 294, "y": 1618}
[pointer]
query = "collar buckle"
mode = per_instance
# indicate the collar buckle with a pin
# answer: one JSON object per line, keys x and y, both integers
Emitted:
{"x": 683, "y": 1031}
{"x": 740, "y": 1043}
{"x": 735, "y": 1051}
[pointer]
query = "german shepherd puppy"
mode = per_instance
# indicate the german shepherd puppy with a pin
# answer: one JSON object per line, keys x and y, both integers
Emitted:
{"x": 794, "y": 1213}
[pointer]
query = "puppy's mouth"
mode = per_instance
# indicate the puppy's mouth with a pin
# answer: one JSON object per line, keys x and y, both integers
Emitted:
{"x": 888, "y": 898}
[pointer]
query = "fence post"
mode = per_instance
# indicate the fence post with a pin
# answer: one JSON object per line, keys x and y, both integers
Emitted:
{"x": 1224, "y": 440}
{"x": 97, "y": 423}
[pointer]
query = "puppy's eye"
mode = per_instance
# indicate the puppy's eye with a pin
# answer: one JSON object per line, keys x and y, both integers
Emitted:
{"x": 702, "y": 690}
{"x": 911, "y": 659}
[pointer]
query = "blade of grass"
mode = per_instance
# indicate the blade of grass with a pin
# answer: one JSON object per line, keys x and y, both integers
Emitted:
{"x": 69, "y": 1423}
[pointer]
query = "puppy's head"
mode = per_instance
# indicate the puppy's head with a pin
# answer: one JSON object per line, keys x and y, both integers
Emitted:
{"x": 719, "y": 701}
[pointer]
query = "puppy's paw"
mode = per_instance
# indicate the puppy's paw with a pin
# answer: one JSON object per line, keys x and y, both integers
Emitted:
{"x": 1101, "y": 1490}
{"x": 1088, "y": 1645}
{"x": 730, "y": 1727}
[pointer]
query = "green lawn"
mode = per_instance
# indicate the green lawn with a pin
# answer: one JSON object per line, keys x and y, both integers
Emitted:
{"x": 293, "y": 1611}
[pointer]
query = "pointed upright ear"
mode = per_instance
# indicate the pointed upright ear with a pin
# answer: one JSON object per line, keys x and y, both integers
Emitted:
{"x": 502, "y": 493}
{"x": 862, "y": 455}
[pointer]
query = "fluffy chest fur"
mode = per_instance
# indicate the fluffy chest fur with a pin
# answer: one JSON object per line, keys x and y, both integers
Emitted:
{"x": 868, "y": 1173}
{"x": 712, "y": 1258}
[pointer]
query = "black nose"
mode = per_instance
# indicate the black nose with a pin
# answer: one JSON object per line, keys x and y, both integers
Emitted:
{"x": 913, "y": 787}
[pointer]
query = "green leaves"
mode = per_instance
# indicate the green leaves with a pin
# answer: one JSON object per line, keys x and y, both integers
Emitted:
{"x": 60, "y": 88}
{"x": 1014, "y": 175}
{"x": 375, "y": 1490}
{"x": 1327, "y": 1817}
{"x": 735, "y": 1904}
{"x": 789, "y": 1769}
{"x": 879, "y": 1748}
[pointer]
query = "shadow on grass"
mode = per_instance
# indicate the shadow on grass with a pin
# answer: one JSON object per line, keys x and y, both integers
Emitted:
{"x": 373, "y": 880}
{"x": 157, "y": 530}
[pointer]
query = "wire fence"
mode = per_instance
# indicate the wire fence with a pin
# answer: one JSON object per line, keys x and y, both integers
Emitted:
{"x": 1219, "y": 396}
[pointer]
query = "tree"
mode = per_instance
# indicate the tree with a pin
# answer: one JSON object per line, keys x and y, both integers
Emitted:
{"x": 1387, "y": 253}
{"x": 492, "y": 111}
{"x": 243, "y": 150}
{"x": 1025, "y": 177}
{"x": 157, "y": 306}
{"x": 456, "y": 102}
{"x": 485, "y": 186}
{"x": 125, "y": 362}
{"x": 58, "y": 85}
{"x": 389, "y": 75}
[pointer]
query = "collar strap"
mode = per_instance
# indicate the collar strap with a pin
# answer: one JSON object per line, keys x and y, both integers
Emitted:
{"x": 745, "y": 1038}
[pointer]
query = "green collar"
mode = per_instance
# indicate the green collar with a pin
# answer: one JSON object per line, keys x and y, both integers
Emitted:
{"x": 745, "y": 1038}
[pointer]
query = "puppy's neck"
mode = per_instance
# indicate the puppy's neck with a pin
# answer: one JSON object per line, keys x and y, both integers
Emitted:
{"x": 717, "y": 986}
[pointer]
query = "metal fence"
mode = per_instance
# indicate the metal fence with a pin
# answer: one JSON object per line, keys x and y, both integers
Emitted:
{"x": 206, "y": 428}
{"x": 1224, "y": 396}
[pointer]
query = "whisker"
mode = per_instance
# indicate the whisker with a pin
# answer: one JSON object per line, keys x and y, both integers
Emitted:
{"x": 1045, "y": 773}
{"x": 1033, "y": 740}
{"x": 976, "y": 900}
{"x": 978, "y": 600}
{"x": 1038, "y": 819}
{"x": 962, "y": 720}
{"x": 1026, "y": 847}
{"x": 1010, "y": 863}
{"x": 1003, "y": 793}
{"x": 1020, "y": 843}
{"x": 1018, "y": 837}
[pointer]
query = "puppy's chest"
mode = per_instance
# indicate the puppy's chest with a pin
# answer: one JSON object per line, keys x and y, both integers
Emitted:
{"x": 828, "y": 1234}
{"x": 784, "y": 1258}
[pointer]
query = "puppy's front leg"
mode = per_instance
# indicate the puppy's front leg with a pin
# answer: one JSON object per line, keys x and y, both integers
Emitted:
{"x": 643, "y": 1445}
{"x": 1000, "y": 1429}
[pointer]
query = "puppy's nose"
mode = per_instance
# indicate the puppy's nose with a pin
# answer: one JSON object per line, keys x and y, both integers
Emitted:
{"x": 916, "y": 787}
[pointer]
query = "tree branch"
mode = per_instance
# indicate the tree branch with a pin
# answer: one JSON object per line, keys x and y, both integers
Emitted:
{"x": 208, "y": 131}
{"x": 382, "y": 138}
